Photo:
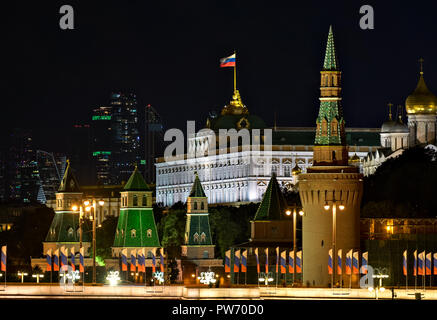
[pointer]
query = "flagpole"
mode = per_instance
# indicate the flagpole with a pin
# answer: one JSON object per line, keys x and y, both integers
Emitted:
{"x": 235, "y": 72}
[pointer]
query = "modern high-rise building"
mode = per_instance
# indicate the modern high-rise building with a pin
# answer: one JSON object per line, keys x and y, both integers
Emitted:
{"x": 20, "y": 167}
{"x": 153, "y": 142}
{"x": 126, "y": 134}
{"x": 102, "y": 145}
{"x": 51, "y": 167}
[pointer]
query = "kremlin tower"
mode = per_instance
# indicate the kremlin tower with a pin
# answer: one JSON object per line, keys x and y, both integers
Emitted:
{"x": 331, "y": 190}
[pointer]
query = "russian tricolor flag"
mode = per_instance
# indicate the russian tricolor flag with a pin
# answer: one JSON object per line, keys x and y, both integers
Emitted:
{"x": 124, "y": 260}
{"x": 415, "y": 263}
{"x": 404, "y": 263}
{"x": 237, "y": 261}
{"x": 364, "y": 261}
{"x": 56, "y": 260}
{"x": 257, "y": 260}
{"x": 49, "y": 260}
{"x": 330, "y": 262}
{"x": 267, "y": 259}
{"x": 421, "y": 260}
{"x": 64, "y": 263}
{"x": 428, "y": 264}
{"x": 228, "y": 261}
{"x": 291, "y": 262}
{"x": 72, "y": 259}
{"x": 3, "y": 258}
{"x": 435, "y": 264}
{"x": 244, "y": 261}
{"x": 81, "y": 260}
{"x": 283, "y": 262}
{"x": 162, "y": 259}
{"x": 228, "y": 61}
{"x": 153, "y": 259}
{"x": 339, "y": 267}
{"x": 133, "y": 261}
{"x": 349, "y": 262}
{"x": 299, "y": 262}
{"x": 355, "y": 268}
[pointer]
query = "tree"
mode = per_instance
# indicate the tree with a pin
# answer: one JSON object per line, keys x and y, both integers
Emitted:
{"x": 403, "y": 186}
{"x": 105, "y": 237}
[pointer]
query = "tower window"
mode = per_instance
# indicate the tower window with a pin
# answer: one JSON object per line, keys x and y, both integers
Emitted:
{"x": 202, "y": 206}
{"x": 195, "y": 205}
{"x": 135, "y": 200}
{"x": 203, "y": 237}
{"x": 144, "y": 201}
{"x": 70, "y": 231}
{"x": 149, "y": 233}
{"x": 196, "y": 237}
{"x": 133, "y": 233}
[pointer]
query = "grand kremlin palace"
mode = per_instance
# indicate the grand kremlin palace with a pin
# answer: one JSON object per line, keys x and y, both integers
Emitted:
{"x": 233, "y": 177}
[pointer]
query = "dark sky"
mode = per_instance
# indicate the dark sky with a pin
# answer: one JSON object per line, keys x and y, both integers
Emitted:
{"x": 168, "y": 52}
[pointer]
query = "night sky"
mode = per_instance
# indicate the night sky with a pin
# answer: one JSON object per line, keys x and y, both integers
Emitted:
{"x": 167, "y": 52}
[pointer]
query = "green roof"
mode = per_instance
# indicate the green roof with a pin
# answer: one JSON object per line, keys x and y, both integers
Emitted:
{"x": 197, "y": 189}
{"x": 331, "y": 62}
{"x": 136, "y": 182}
{"x": 65, "y": 228}
{"x": 69, "y": 182}
{"x": 197, "y": 230}
{"x": 273, "y": 204}
{"x": 136, "y": 228}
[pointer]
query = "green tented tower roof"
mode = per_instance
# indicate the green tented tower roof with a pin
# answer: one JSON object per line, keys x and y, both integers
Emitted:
{"x": 65, "y": 228}
{"x": 197, "y": 189}
{"x": 69, "y": 182}
{"x": 136, "y": 182}
{"x": 273, "y": 204}
{"x": 331, "y": 62}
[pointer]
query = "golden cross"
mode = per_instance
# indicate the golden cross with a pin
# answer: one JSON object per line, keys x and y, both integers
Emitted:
{"x": 389, "y": 110}
{"x": 421, "y": 65}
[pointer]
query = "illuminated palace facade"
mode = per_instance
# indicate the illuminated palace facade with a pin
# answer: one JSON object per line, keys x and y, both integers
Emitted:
{"x": 239, "y": 175}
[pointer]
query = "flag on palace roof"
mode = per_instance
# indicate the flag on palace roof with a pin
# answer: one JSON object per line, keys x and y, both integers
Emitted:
{"x": 228, "y": 61}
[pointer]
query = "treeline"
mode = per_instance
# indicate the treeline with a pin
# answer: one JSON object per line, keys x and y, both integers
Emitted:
{"x": 403, "y": 187}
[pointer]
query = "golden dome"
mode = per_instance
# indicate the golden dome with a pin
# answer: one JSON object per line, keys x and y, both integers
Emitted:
{"x": 421, "y": 101}
{"x": 236, "y": 106}
{"x": 296, "y": 170}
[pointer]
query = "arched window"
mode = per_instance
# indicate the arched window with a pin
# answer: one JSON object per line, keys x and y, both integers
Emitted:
{"x": 195, "y": 205}
{"x": 196, "y": 237}
{"x": 70, "y": 231}
{"x": 324, "y": 127}
{"x": 135, "y": 200}
{"x": 203, "y": 237}
{"x": 144, "y": 201}
{"x": 133, "y": 233}
{"x": 202, "y": 206}
{"x": 149, "y": 233}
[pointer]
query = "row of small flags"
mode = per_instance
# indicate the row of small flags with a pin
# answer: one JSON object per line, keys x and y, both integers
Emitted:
{"x": 240, "y": 261}
{"x": 422, "y": 263}
{"x": 58, "y": 261}
{"x": 138, "y": 259}
{"x": 351, "y": 263}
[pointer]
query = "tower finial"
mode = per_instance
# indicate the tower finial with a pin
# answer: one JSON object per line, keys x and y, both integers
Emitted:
{"x": 389, "y": 111}
{"x": 400, "y": 113}
{"x": 421, "y": 61}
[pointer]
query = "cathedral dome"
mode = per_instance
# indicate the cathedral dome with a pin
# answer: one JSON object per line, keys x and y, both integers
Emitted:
{"x": 391, "y": 126}
{"x": 421, "y": 101}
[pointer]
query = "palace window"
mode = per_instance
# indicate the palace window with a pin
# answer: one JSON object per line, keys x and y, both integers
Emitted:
{"x": 287, "y": 171}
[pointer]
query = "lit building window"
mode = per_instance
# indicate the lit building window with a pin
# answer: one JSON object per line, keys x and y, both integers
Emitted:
{"x": 196, "y": 237}
{"x": 203, "y": 237}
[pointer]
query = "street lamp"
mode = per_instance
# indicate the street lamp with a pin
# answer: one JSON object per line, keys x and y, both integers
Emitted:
{"x": 90, "y": 207}
{"x": 334, "y": 228}
{"x": 288, "y": 212}
{"x": 22, "y": 274}
{"x": 37, "y": 276}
